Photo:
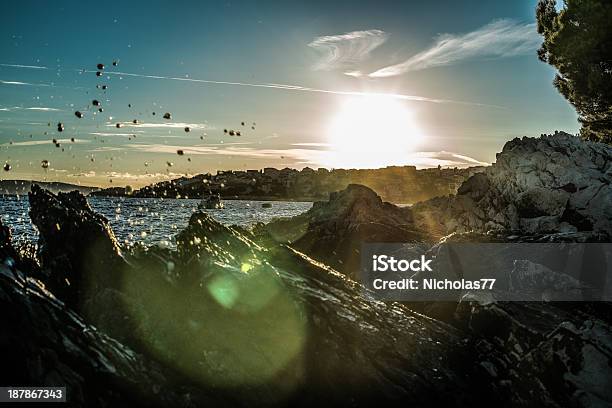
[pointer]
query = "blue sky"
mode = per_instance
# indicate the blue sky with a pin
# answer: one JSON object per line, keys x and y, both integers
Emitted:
{"x": 465, "y": 74}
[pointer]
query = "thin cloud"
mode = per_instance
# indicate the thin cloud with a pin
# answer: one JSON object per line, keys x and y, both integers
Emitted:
{"x": 23, "y": 66}
{"x": 112, "y": 134}
{"x": 297, "y": 88}
{"x": 285, "y": 87}
{"x": 105, "y": 149}
{"x": 42, "y": 109}
{"x": 444, "y": 158}
{"x": 169, "y": 125}
{"x": 20, "y": 83}
{"x": 127, "y": 175}
{"x": 501, "y": 38}
{"x": 44, "y": 142}
{"x": 309, "y": 156}
{"x": 221, "y": 150}
{"x": 311, "y": 144}
{"x": 33, "y": 108}
{"x": 346, "y": 50}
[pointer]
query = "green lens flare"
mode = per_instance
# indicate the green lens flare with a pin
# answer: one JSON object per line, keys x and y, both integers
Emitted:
{"x": 224, "y": 290}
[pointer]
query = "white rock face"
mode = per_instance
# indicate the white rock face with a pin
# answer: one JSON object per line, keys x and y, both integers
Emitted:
{"x": 556, "y": 183}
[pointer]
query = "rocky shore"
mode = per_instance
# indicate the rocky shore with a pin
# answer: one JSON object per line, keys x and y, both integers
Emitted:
{"x": 275, "y": 316}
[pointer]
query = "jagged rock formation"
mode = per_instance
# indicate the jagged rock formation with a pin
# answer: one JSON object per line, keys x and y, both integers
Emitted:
{"x": 537, "y": 185}
{"x": 273, "y": 315}
{"x": 45, "y": 343}
{"x": 333, "y": 231}
{"x": 539, "y": 354}
{"x": 256, "y": 324}
{"x": 77, "y": 248}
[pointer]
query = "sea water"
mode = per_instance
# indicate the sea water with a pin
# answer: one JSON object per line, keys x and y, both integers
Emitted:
{"x": 151, "y": 220}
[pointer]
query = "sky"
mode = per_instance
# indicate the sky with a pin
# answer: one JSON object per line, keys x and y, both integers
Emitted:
{"x": 317, "y": 83}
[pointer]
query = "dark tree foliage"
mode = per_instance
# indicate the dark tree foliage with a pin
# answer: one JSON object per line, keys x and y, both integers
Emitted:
{"x": 578, "y": 43}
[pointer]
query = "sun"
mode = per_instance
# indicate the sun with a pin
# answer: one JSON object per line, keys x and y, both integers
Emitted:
{"x": 372, "y": 131}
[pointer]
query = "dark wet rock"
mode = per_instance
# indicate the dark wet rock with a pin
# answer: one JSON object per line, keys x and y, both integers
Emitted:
{"x": 46, "y": 344}
{"x": 260, "y": 323}
{"x": 7, "y": 167}
{"x": 539, "y": 354}
{"x": 540, "y": 185}
{"x": 382, "y": 352}
{"x": 7, "y": 252}
{"x": 224, "y": 311}
{"x": 275, "y": 326}
{"x": 167, "y": 115}
{"x": 333, "y": 231}
{"x": 77, "y": 249}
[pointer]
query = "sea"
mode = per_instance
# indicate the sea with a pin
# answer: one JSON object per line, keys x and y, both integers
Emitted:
{"x": 152, "y": 221}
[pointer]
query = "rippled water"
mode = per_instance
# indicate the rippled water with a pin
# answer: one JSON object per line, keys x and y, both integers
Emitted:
{"x": 151, "y": 220}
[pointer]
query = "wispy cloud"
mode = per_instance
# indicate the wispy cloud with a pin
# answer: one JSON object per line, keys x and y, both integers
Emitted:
{"x": 169, "y": 125}
{"x": 298, "y": 88}
{"x": 23, "y": 66}
{"x": 311, "y": 144}
{"x": 346, "y": 50}
{"x": 215, "y": 150}
{"x": 443, "y": 158}
{"x": 112, "y": 134}
{"x": 42, "y": 109}
{"x": 33, "y": 108}
{"x": 105, "y": 149}
{"x": 304, "y": 155}
{"x": 3, "y": 82}
{"x": 501, "y": 38}
{"x": 43, "y": 142}
{"x": 127, "y": 175}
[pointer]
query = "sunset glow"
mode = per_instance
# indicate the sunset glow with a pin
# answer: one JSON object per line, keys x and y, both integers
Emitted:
{"x": 372, "y": 131}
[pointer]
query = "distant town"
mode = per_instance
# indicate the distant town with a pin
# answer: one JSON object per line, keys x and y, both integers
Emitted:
{"x": 397, "y": 184}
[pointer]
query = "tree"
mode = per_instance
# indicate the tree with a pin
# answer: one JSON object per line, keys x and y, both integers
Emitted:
{"x": 578, "y": 43}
